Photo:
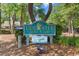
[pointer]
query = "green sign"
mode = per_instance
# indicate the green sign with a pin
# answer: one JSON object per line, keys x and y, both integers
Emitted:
{"x": 39, "y": 27}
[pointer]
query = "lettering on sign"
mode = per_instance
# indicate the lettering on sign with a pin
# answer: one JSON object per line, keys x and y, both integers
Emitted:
{"x": 39, "y": 27}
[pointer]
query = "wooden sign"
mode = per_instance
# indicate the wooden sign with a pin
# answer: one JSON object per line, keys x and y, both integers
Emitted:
{"x": 39, "y": 28}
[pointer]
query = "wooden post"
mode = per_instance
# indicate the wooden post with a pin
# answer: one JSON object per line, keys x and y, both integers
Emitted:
{"x": 27, "y": 40}
{"x": 51, "y": 39}
{"x": 19, "y": 41}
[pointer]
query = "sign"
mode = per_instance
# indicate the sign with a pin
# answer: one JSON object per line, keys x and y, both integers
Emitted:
{"x": 39, "y": 39}
{"x": 39, "y": 28}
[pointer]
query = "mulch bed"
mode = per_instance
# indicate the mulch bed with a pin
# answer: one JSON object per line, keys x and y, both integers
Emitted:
{"x": 10, "y": 49}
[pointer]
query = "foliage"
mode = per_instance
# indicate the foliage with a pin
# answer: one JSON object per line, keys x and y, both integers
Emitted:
{"x": 64, "y": 13}
{"x": 69, "y": 41}
{"x": 77, "y": 42}
{"x": 58, "y": 33}
{"x": 5, "y": 32}
{"x": 38, "y": 10}
{"x": 7, "y": 8}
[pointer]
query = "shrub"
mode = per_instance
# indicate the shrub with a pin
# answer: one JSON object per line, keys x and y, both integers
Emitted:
{"x": 20, "y": 32}
{"x": 5, "y": 32}
{"x": 63, "y": 41}
{"x": 69, "y": 41}
{"x": 58, "y": 33}
{"x": 77, "y": 42}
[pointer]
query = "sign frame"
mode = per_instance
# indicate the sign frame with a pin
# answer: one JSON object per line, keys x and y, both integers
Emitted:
{"x": 28, "y": 32}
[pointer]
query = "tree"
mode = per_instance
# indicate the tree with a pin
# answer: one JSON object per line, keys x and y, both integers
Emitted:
{"x": 30, "y": 10}
{"x": 49, "y": 11}
{"x": 71, "y": 13}
{"x": 0, "y": 15}
{"x": 64, "y": 15}
{"x": 24, "y": 14}
{"x": 9, "y": 13}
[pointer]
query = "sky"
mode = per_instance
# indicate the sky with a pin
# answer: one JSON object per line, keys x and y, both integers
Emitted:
{"x": 45, "y": 6}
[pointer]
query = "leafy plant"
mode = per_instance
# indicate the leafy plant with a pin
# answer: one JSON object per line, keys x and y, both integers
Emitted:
{"x": 58, "y": 33}
{"x": 69, "y": 41}
{"x": 77, "y": 42}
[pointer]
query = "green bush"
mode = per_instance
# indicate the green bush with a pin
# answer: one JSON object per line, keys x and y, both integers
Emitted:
{"x": 58, "y": 33}
{"x": 58, "y": 30}
{"x": 69, "y": 41}
{"x": 63, "y": 41}
{"x": 77, "y": 42}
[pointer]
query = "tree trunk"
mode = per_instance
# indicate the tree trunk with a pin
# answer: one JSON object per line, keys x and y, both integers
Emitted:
{"x": 9, "y": 21}
{"x": 73, "y": 33}
{"x": 49, "y": 11}
{"x": 0, "y": 15}
{"x": 70, "y": 27}
{"x": 10, "y": 24}
{"x": 14, "y": 18}
{"x": 21, "y": 20}
{"x": 30, "y": 10}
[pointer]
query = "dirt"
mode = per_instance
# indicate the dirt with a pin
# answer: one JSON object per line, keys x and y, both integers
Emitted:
{"x": 8, "y": 47}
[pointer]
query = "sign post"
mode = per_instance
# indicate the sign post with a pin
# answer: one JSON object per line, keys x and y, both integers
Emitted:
{"x": 27, "y": 40}
{"x": 19, "y": 41}
{"x": 51, "y": 39}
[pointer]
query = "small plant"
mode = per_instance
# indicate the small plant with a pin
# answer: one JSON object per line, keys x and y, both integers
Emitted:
{"x": 63, "y": 41}
{"x": 69, "y": 41}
